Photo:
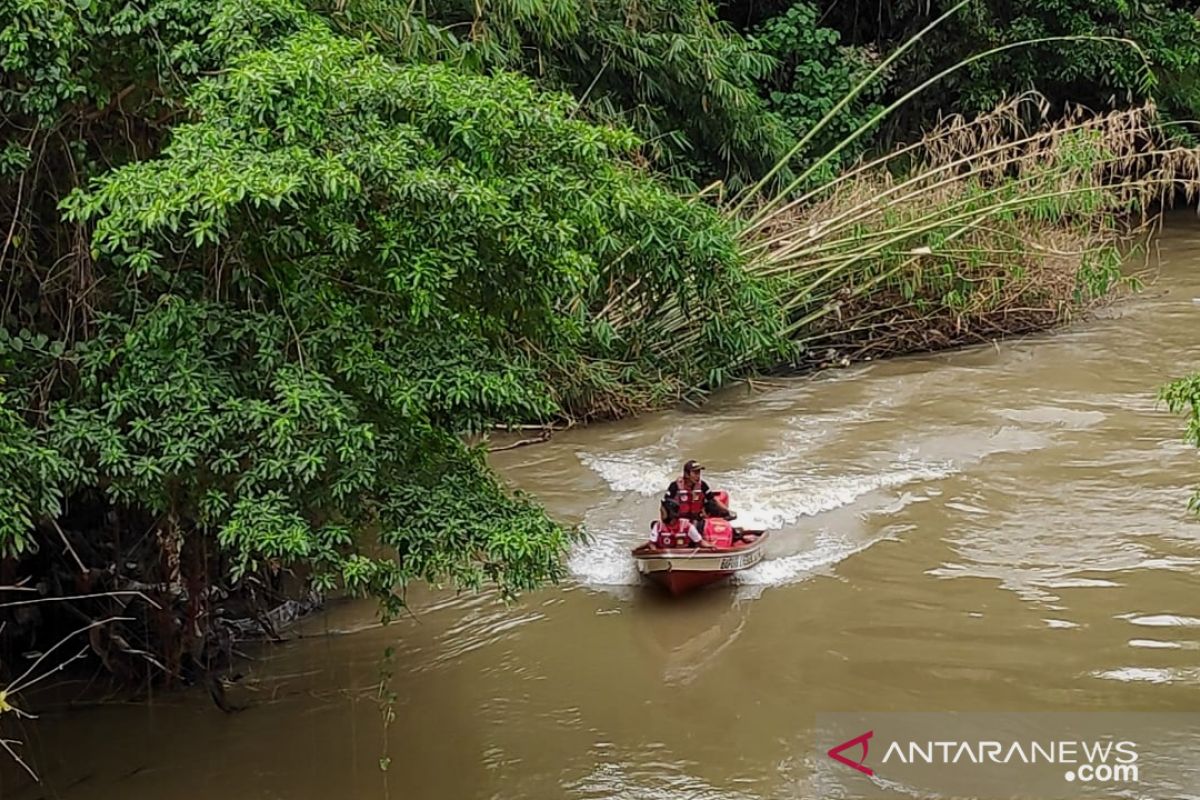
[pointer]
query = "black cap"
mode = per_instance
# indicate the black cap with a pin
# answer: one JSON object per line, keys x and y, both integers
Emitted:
{"x": 693, "y": 466}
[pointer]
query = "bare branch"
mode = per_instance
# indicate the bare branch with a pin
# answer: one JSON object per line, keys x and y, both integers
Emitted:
{"x": 118, "y": 593}
{"x": 67, "y": 542}
{"x": 16, "y": 685}
{"x": 7, "y": 745}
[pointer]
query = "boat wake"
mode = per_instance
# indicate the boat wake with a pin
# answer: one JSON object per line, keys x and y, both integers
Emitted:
{"x": 766, "y": 496}
{"x": 826, "y": 550}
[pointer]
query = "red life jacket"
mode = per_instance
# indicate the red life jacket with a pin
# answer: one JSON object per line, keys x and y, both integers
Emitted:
{"x": 718, "y": 531}
{"x": 674, "y": 534}
{"x": 691, "y": 501}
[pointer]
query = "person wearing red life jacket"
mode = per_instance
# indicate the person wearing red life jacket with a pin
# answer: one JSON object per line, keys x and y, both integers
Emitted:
{"x": 696, "y": 500}
{"x": 674, "y": 531}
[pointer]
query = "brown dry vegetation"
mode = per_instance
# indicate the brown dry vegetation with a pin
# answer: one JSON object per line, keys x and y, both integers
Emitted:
{"x": 990, "y": 227}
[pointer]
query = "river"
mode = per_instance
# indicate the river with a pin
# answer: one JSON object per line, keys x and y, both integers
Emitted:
{"x": 1000, "y": 528}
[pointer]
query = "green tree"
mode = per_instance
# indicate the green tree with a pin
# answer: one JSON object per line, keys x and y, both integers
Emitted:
{"x": 815, "y": 72}
{"x": 1096, "y": 74}
{"x": 290, "y": 273}
{"x": 684, "y": 81}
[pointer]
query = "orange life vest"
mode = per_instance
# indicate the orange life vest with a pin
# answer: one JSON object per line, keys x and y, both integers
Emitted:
{"x": 691, "y": 501}
{"x": 674, "y": 534}
{"x": 718, "y": 531}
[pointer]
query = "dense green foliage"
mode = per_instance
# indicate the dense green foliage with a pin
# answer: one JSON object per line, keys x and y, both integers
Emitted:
{"x": 264, "y": 332}
{"x": 667, "y": 69}
{"x": 31, "y": 487}
{"x": 815, "y": 72}
{"x": 708, "y": 103}
{"x": 1096, "y": 74}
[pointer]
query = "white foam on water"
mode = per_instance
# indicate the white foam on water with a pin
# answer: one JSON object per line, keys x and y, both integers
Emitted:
{"x": 1164, "y": 621}
{"x": 629, "y": 472}
{"x": 764, "y": 498}
{"x": 1149, "y": 675}
{"x": 1159, "y": 644}
{"x": 1080, "y": 583}
{"x": 827, "y": 550}
{"x": 605, "y": 560}
{"x": 966, "y": 508}
{"x": 778, "y": 489}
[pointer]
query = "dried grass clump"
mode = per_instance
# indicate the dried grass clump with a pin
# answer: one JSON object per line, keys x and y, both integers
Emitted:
{"x": 998, "y": 225}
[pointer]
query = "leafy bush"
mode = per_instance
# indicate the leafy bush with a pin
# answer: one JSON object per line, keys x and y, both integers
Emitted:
{"x": 267, "y": 332}
{"x": 1096, "y": 74}
{"x": 815, "y": 73}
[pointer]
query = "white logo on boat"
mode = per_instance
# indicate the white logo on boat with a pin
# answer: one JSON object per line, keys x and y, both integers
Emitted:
{"x": 741, "y": 560}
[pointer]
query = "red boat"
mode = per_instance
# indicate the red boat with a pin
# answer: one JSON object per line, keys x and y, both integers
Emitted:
{"x": 681, "y": 569}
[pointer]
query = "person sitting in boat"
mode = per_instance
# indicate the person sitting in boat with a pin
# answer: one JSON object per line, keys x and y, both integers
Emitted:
{"x": 672, "y": 530}
{"x": 696, "y": 500}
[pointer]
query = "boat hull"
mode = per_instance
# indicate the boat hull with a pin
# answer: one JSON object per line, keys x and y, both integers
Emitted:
{"x": 678, "y": 583}
{"x": 683, "y": 570}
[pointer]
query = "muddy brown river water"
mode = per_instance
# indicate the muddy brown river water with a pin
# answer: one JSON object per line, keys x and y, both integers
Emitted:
{"x": 997, "y": 529}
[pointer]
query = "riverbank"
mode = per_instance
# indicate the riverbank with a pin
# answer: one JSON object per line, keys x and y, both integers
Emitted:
{"x": 994, "y": 528}
{"x": 200, "y": 447}
{"x": 1006, "y": 223}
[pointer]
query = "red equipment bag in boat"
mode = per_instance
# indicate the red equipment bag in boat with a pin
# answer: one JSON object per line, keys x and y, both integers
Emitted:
{"x": 718, "y": 531}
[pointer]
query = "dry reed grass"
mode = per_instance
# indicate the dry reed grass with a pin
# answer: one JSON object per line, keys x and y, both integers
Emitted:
{"x": 998, "y": 225}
